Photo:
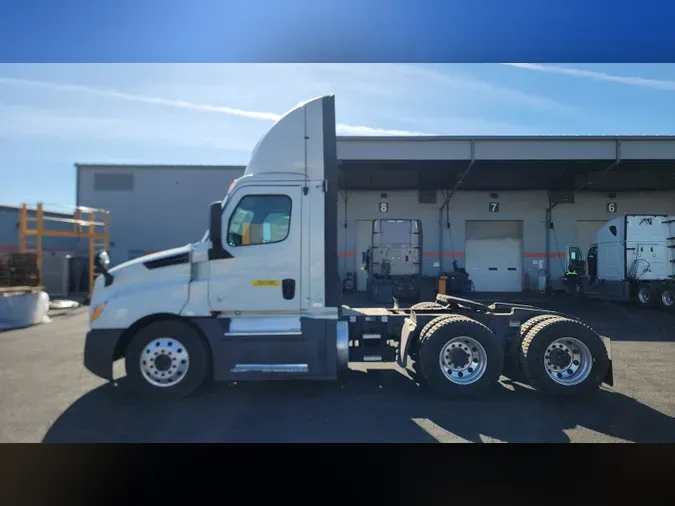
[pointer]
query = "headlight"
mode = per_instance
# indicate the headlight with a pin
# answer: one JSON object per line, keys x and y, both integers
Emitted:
{"x": 96, "y": 312}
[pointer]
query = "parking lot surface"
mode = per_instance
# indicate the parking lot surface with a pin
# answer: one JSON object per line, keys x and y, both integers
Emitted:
{"x": 47, "y": 395}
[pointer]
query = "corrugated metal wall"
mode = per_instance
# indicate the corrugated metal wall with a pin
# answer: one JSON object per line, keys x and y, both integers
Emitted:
{"x": 165, "y": 207}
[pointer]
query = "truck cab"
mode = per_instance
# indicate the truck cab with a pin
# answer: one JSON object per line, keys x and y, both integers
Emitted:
{"x": 261, "y": 269}
{"x": 631, "y": 258}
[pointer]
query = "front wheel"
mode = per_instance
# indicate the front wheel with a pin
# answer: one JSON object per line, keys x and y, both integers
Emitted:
{"x": 460, "y": 356}
{"x": 166, "y": 360}
{"x": 564, "y": 357}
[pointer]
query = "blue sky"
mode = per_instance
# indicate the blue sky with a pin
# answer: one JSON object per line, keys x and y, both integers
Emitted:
{"x": 53, "y": 115}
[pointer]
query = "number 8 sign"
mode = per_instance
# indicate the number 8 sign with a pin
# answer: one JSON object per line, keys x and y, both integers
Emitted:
{"x": 384, "y": 207}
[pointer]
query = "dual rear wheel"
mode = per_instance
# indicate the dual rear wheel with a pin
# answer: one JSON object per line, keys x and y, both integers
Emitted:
{"x": 654, "y": 295}
{"x": 459, "y": 356}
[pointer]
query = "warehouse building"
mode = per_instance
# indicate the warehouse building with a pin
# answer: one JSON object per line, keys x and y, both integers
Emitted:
{"x": 505, "y": 208}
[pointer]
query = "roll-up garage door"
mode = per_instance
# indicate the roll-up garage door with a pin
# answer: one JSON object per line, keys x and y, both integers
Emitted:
{"x": 494, "y": 255}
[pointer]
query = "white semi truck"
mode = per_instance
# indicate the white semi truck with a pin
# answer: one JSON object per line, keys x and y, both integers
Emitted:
{"x": 631, "y": 258}
{"x": 258, "y": 298}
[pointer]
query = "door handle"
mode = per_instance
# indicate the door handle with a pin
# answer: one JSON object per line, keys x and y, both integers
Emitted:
{"x": 288, "y": 288}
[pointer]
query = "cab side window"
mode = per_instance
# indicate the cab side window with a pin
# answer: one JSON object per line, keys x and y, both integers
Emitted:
{"x": 260, "y": 219}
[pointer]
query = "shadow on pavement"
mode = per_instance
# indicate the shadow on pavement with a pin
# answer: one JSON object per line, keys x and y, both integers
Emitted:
{"x": 372, "y": 406}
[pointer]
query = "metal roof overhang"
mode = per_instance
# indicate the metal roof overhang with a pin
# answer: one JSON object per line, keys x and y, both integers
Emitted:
{"x": 607, "y": 164}
{"x": 499, "y": 175}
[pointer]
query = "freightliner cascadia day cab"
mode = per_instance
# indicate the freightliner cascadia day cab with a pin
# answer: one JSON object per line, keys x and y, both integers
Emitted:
{"x": 258, "y": 298}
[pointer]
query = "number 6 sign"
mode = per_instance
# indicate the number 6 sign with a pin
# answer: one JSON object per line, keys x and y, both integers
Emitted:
{"x": 611, "y": 207}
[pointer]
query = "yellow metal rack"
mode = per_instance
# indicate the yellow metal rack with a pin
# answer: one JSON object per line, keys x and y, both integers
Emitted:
{"x": 95, "y": 221}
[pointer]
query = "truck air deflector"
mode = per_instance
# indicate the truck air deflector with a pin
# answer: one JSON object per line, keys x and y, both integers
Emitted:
{"x": 181, "y": 258}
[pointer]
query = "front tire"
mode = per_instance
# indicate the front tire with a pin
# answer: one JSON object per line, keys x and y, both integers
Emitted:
{"x": 564, "y": 357}
{"x": 167, "y": 360}
{"x": 460, "y": 356}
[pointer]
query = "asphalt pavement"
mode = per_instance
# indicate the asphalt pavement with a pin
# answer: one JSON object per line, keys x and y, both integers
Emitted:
{"x": 47, "y": 395}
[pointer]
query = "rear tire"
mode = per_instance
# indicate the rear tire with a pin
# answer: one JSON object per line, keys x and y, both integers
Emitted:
{"x": 647, "y": 296}
{"x": 564, "y": 357}
{"x": 667, "y": 299}
{"x": 414, "y": 352}
{"x": 426, "y": 305}
{"x": 459, "y": 356}
{"x": 512, "y": 367}
{"x": 167, "y": 360}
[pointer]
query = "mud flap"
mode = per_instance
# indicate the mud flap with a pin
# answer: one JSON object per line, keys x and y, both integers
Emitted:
{"x": 409, "y": 326}
{"x": 609, "y": 378}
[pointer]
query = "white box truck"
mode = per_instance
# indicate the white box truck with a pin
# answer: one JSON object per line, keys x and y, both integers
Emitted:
{"x": 258, "y": 298}
{"x": 631, "y": 258}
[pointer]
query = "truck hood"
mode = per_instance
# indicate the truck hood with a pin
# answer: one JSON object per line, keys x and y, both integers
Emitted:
{"x": 151, "y": 284}
{"x": 160, "y": 255}
{"x": 162, "y": 283}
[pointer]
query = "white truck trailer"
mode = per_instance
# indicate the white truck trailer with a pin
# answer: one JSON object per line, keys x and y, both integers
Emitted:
{"x": 258, "y": 298}
{"x": 631, "y": 258}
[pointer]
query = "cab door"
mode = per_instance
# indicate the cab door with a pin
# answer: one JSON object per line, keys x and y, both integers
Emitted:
{"x": 575, "y": 258}
{"x": 262, "y": 234}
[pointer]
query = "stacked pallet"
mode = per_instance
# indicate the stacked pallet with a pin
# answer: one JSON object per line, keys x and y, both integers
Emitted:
{"x": 19, "y": 270}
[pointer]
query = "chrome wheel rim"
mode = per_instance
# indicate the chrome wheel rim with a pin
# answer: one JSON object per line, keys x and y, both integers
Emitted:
{"x": 164, "y": 362}
{"x": 668, "y": 298}
{"x": 568, "y": 361}
{"x": 463, "y": 360}
{"x": 644, "y": 295}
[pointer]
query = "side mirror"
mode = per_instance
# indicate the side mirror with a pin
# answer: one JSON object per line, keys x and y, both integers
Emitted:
{"x": 101, "y": 263}
{"x": 216, "y": 224}
{"x": 216, "y": 231}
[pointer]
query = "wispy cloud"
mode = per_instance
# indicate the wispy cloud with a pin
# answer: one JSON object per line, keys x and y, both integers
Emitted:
{"x": 408, "y": 81}
{"x": 27, "y": 122}
{"x": 599, "y": 76}
{"x": 182, "y": 104}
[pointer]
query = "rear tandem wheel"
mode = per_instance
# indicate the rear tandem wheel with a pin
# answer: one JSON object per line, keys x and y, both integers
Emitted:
{"x": 426, "y": 305}
{"x": 667, "y": 298}
{"x": 512, "y": 367}
{"x": 564, "y": 357}
{"x": 459, "y": 356}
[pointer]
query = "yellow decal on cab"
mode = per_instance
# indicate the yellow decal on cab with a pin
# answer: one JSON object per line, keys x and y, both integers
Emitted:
{"x": 266, "y": 282}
